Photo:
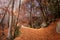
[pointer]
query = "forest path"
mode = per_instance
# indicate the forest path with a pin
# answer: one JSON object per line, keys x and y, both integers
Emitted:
{"x": 48, "y": 33}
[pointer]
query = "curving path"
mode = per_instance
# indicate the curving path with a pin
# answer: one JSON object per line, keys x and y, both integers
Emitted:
{"x": 48, "y": 33}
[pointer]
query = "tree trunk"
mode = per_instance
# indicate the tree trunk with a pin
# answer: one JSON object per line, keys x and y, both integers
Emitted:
{"x": 11, "y": 22}
{"x": 10, "y": 28}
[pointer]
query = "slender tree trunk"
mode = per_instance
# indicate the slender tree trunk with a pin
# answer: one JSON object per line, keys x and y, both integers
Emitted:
{"x": 31, "y": 15}
{"x": 10, "y": 28}
{"x": 17, "y": 20}
{"x": 43, "y": 15}
{"x": 11, "y": 23}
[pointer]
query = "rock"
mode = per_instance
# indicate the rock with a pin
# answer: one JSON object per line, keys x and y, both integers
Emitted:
{"x": 58, "y": 27}
{"x": 44, "y": 24}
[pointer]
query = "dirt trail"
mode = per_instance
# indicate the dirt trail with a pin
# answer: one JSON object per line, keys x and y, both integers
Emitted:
{"x": 48, "y": 33}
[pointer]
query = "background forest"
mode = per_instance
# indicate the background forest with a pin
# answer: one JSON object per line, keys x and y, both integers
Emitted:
{"x": 30, "y": 13}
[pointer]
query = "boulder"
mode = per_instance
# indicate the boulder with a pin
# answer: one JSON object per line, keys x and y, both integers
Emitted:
{"x": 58, "y": 27}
